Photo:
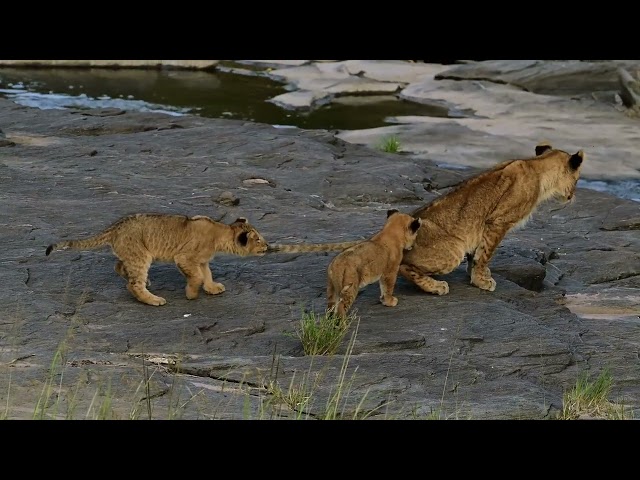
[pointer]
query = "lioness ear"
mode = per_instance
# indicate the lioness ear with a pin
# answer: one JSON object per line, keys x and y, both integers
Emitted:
{"x": 542, "y": 147}
{"x": 243, "y": 238}
{"x": 240, "y": 220}
{"x": 576, "y": 160}
{"x": 415, "y": 225}
{"x": 391, "y": 212}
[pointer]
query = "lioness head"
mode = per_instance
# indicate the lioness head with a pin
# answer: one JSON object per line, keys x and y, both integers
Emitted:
{"x": 407, "y": 225}
{"x": 565, "y": 179}
{"x": 248, "y": 240}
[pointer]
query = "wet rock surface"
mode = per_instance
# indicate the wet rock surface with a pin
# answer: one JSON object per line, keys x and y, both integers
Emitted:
{"x": 590, "y": 105}
{"x": 567, "y": 284}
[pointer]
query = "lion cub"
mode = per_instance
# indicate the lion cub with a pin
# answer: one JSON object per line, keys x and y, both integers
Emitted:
{"x": 190, "y": 242}
{"x": 375, "y": 259}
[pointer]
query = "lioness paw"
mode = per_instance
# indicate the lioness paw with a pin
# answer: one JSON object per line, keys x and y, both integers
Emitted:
{"x": 484, "y": 283}
{"x": 440, "y": 287}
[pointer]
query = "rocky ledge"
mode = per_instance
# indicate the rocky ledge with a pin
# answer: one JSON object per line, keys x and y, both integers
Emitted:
{"x": 73, "y": 340}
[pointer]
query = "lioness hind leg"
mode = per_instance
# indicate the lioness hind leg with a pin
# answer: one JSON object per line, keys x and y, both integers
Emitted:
{"x": 425, "y": 282}
{"x": 211, "y": 287}
{"x": 192, "y": 272}
{"x": 480, "y": 273}
{"x": 137, "y": 272}
{"x": 482, "y": 278}
{"x": 387, "y": 284}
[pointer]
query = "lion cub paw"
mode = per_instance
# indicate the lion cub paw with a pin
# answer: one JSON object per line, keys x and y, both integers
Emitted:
{"x": 390, "y": 303}
{"x": 155, "y": 301}
{"x": 484, "y": 283}
{"x": 214, "y": 289}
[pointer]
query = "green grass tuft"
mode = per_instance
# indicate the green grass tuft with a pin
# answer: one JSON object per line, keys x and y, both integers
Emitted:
{"x": 322, "y": 334}
{"x": 390, "y": 144}
{"x": 589, "y": 399}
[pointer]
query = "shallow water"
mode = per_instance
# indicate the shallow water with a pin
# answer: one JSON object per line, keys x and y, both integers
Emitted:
{"x": 623, "y": 188}
{"x": 209, "y": 94}
{"x": 218, "y": 95}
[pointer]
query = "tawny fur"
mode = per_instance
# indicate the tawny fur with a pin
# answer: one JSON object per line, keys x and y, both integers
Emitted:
{"x": 311, "y": 247}
{"x": 375, "y": 259}
{"x": 471, "y": 220}
{"x": 189, "y": 242}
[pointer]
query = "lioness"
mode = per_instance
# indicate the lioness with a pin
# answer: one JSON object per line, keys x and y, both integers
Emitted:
{"x": 376, "y": 259}
{"x": 472, "y": 219}
{"x": 190, "y": 242}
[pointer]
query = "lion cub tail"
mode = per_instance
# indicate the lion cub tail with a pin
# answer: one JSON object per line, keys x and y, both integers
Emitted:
{"x": 311, "y": 247}
{"x": 89, "y": 243}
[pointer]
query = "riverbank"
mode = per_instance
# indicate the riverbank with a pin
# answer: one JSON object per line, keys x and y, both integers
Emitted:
{"x": 577, "y": 103}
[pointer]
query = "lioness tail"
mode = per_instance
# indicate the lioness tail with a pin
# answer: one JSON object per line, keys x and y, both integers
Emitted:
{"x": 311, "y": 247}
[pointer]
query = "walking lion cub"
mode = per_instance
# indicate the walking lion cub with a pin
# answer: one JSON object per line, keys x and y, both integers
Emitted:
{"x": 191, "y": 242}
{"x": 375, "y": 259}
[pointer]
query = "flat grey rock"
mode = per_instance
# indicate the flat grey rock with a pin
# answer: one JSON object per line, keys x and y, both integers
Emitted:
{"x": 629, "y": 89}
{"x": 559, "y": 77}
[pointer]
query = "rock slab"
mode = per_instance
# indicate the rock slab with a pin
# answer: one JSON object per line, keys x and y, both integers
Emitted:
{"x": 75, "y": 344}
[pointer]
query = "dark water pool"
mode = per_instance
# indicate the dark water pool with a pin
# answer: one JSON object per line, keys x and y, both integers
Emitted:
{"x": 209, "y": 94}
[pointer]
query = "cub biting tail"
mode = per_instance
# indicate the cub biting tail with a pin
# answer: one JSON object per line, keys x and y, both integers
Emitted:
{"x": 472, "y": 219}
{"x": 375, "y": 259}
{"x": 190, "y": 242}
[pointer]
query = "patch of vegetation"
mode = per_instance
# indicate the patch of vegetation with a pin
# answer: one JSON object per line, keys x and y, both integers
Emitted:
{"x": 303, "y": 396}
{"x": 590, "y": 399}
{"x": 295, "y": 397}
{"x": 390, "y": 144}
{"x": 322, "y": 334}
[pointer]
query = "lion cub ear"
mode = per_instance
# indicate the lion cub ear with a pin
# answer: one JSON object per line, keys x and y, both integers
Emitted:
{"x": 415, "y": 225}
{"x": 576, "y": 160}
{"x": 542, "y": 147}
{"x": 239, "y": 221}
{"x": 392, "y": 211}
{"x": 243, "y": 238}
